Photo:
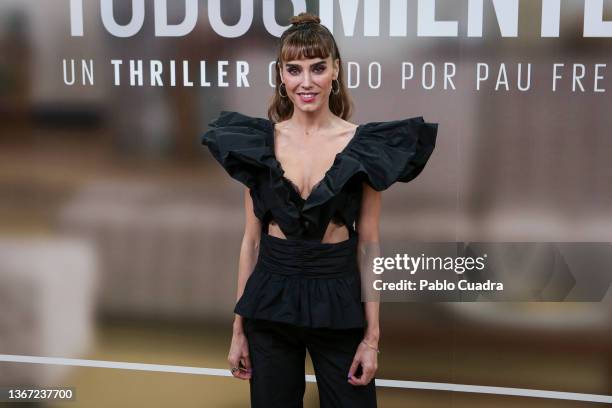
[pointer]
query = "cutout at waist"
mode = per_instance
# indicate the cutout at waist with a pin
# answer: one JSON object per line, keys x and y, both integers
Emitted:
{"x": 334, "y": 233}
{"x": 292, "y": 242}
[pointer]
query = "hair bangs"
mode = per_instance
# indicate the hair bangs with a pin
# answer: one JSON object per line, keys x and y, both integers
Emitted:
{"x": 302, "y": 44}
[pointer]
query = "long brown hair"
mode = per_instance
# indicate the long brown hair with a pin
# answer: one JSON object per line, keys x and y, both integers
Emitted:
{"x": 307, "y": 38}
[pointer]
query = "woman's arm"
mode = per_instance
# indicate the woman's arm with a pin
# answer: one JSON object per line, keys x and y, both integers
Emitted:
{"x": 238, "y": 356}
{"x": 369, "y": 248}
{"x": 249, "y": 250}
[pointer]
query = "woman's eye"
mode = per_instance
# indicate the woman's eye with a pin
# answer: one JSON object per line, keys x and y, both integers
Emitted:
{"x": 294, "y": 71}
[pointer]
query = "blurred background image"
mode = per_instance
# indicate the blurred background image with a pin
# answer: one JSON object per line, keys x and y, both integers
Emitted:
{"x": 120, "y": 234}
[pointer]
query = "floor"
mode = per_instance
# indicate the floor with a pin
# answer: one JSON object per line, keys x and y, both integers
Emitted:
{"x": 207, "y": 346}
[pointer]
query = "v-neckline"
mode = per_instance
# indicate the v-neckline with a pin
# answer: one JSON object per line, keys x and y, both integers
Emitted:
{"x": 315, "y": 187}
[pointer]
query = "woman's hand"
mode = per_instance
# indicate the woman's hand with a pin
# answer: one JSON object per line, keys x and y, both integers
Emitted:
{"x": 367, "y": 358}
{"x": 238, "y": 357}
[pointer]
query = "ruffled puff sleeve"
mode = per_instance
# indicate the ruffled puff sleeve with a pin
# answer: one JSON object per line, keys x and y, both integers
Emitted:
{"x": 395, "y": 150}
{"x": 238, "y": 143}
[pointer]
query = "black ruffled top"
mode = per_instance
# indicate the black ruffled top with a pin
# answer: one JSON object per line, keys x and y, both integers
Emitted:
{"x": 380, "y": 153}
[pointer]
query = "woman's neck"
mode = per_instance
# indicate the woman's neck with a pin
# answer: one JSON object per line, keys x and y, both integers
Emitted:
{"x": 312, "y": 122}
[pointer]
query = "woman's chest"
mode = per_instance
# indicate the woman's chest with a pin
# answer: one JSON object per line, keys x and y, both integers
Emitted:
{"x": 306, "y": 164}
{"x": 278, "y": 201}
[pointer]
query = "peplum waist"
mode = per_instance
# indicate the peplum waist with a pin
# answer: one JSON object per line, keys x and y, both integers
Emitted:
{"x": 308, "y": 259}
{"x": 305, "y": 283}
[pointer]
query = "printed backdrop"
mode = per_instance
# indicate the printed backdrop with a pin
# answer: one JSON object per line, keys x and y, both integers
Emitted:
{"x": 121, "y": 234}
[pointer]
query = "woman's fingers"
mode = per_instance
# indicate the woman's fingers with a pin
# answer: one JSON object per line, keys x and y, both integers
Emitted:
{"x": 234, "y": 365}
{"x": 243, "y": 374}
{"x": 368, "y": 374}
{"x": 238, "y": 358}
{"x": 353, "y": 369}
{"x": 239, "y": 371}
{"x": 245, "y": 367}
{"x": 365, "y": 378}
{"x": 237, "y": 367}
{"x": 246, "y": 361}
{"x": 368, "y": 364}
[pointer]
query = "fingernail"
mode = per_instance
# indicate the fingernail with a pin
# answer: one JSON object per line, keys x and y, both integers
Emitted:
{"x": 350, "y": 376}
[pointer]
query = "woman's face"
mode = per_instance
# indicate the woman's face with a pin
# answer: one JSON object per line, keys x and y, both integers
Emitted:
{"x": 309, "y": 82}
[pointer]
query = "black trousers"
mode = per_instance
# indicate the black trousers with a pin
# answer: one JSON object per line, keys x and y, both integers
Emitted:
{"x": 278, "y": 353}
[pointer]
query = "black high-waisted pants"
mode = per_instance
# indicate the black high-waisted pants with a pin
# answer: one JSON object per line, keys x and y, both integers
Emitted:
{"x": 278, "y": 352}
{"x": 304, "y": 295}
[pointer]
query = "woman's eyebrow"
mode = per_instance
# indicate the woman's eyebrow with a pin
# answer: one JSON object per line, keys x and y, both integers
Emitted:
{"x": 313, "y": 64}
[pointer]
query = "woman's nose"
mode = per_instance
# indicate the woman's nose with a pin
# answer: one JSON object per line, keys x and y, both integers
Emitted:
{"x": 306, "y": 80}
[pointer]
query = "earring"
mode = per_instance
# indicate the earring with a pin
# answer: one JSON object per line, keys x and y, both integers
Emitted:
{"x": 279, "y": 90}
{"x": 336, "y": 91}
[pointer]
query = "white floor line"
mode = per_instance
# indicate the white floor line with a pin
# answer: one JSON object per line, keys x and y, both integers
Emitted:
{"x": 523, "y": 392}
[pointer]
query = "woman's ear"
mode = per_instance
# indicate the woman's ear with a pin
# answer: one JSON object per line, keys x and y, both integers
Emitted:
{"x": 336, "y": 68}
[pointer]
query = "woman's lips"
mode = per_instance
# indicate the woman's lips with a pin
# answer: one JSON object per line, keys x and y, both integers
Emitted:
{"x": 307, "y": 97}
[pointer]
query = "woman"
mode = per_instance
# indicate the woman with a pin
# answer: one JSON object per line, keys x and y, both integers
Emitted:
{"x": 312, "y": 207}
